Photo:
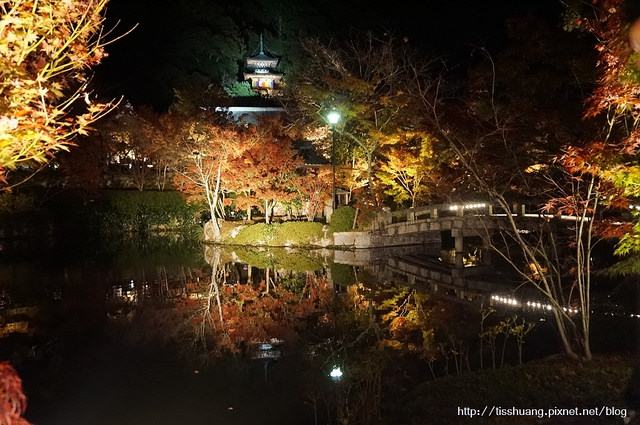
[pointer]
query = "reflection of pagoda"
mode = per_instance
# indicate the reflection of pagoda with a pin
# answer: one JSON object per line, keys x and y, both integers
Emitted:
{"x": 260, "y": 71}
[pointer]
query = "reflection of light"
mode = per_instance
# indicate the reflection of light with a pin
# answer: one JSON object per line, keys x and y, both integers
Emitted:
{"x": 336, "y": 373}
{"x": 505, "y": 300}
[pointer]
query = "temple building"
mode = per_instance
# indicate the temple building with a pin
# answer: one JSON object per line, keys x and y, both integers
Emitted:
{"x": 260, "y": 71}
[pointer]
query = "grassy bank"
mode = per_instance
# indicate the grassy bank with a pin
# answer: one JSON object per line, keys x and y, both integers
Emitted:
{"x": 543, "y": 385}
{"x": 292, "y": 233}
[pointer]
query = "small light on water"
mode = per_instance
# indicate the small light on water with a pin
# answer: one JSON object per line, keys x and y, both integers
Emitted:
{"x": 336, "y": 373}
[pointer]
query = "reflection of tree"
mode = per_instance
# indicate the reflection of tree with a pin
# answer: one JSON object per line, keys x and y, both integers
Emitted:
{"x": 226, "y": 316}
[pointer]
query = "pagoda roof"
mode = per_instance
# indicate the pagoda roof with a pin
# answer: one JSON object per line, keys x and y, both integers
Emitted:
{"x": 262, "y": 56}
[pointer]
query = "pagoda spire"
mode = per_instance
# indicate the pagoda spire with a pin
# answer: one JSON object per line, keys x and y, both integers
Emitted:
{"x": 261, "y": 45}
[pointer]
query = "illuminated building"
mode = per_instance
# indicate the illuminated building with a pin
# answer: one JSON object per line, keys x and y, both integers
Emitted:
{"x": 260, "y": 71}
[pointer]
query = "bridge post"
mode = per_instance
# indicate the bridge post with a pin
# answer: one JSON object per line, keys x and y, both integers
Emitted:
{"x": 434, "y": 213}
{"x": 383, "y": 218}
{"x": 459, "y": 247}
{"x": 411, "y": 215}
{"x": 490, "y": 212}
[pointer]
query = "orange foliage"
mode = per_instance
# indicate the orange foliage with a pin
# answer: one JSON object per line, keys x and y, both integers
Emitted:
{"x": 46, "y": 48}
{"x": 315, "y": 185}
{"x": 252, "y": 313}
{"x": 13, "y": 402}
{"x": 266, "y": 173}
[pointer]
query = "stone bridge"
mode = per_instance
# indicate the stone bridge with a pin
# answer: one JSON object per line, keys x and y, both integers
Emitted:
{"x": 426, "y": 225}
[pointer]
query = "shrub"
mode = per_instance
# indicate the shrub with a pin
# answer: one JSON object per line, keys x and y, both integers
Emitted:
{"x": 342, "y": 219}
{"x": 291, "y": 233}
{"x": 142, "y": 212}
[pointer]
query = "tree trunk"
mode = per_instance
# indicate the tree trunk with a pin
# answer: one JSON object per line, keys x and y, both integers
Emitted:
{"x": 372, "y": 192}
{"x": 267, "y": 213}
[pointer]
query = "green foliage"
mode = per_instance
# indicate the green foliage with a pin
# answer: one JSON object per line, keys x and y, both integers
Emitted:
{"x": 142, "y": 212}
{"x": 240, "y": 89}
{"x": 549, "y": 383}
{"x": 278, "y": 258}
{"x": 409, "y": 172}
{"x": 342, "y": 219}
{"x": 292, "y": 233}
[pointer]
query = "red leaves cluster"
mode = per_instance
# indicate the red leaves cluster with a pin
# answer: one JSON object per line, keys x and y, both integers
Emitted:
{"x": 616, "y": 89}
{"x": 586, "y": 159}
{"x": 13, "y": 402}
{"x": 612, "y": 229}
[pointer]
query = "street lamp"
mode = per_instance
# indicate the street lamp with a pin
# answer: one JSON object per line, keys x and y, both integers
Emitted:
{"x": 333, "y": 117}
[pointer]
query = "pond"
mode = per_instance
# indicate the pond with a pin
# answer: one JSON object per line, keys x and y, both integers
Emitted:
{"x": 164, "y": 331}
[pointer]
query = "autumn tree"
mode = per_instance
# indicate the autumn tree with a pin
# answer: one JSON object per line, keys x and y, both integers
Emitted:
{"x": 613, "y": 154}
{"x": 505, "y": 160}
{"x": 409, "y": 169}
{"x": 361, "y": 78}
{"x": 208, "y": 144}
{"x": 315, "y": 186}
{"x": 132, "y": 147}
{"x": 85, "y": 167}
{"x": 46, "y": 47}
{"x": 266, "y": 173}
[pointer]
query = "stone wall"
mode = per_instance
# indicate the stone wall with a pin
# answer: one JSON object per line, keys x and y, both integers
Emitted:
{"x": 369, "y": 240}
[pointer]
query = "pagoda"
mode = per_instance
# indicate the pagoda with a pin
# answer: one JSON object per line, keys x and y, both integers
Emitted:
{"x": 260, "y": 71}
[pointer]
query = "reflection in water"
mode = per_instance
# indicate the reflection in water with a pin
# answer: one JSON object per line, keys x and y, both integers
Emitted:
{"x": 386, "y": 319}
{"x": 228, "y": 316}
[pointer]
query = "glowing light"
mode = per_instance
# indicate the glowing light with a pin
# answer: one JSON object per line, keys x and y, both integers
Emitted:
{"x": 333, "y": 117}
{"x": 505, "y": 300}
{"x": 336, "y": 373}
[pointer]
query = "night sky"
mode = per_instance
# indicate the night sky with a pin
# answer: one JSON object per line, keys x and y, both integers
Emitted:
{"x": 200, "y": 40}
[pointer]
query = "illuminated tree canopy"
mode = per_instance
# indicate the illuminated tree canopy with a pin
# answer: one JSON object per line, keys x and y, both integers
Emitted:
{"x": 46, "y": 47}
